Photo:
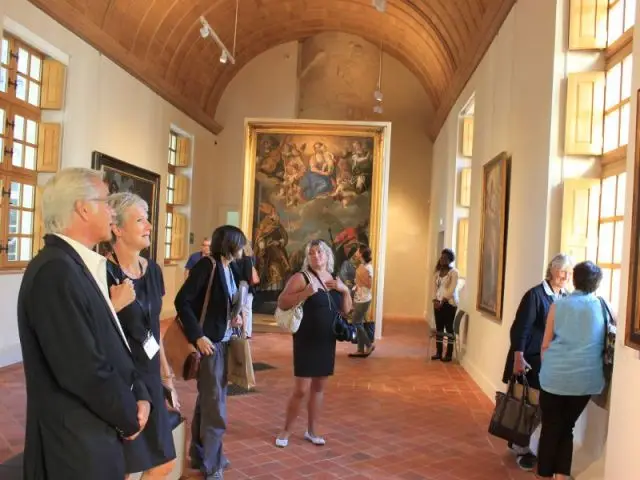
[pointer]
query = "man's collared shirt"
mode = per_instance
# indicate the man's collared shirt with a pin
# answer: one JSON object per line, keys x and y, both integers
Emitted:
{"x": 97, "y": 266}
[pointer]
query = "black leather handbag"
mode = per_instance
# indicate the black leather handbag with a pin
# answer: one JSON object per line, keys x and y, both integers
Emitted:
{"x": 343, "y": 330}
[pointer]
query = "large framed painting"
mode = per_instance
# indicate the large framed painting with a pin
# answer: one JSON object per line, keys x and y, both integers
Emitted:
{"x": 309, "y": 180}
{"x": 123, "y": 177}
{"x": 493, "y": 235}
{"x": 632, "y": 334}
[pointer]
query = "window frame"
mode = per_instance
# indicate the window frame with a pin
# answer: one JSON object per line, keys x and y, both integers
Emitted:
{"x": 617, "y": 219}
{"x": 12, "y": 105}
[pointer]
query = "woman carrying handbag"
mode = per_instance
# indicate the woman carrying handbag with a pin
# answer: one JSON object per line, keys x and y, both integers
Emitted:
{"x": 211, "y": 338}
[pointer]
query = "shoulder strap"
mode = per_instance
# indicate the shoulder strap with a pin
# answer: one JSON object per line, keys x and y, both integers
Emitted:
{"x": 307, "y": 280}
{"x": 207, "y": 295}
{"x": 606, "y": 315}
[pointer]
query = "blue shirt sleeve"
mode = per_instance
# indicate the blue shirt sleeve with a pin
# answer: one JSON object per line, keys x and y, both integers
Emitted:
{"x": 193, "y": 259}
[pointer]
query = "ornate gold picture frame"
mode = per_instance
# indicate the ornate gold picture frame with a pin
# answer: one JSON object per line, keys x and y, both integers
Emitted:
{"x": 493, "y": 235}
{"x": 306, "y": 180}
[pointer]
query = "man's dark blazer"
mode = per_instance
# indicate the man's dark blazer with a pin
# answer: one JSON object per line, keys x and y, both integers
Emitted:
{"x": 82, "y": 386}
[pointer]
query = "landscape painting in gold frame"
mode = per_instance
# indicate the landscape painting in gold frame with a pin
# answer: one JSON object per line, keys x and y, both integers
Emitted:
{"x": 632, "y": 335}
{"x": 306, "y": 180}
{"x": 493, "y": 235}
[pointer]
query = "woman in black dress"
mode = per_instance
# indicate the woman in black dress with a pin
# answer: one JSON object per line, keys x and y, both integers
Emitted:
{"x": 314, "y": 344}
{"x": 136, "y": 288}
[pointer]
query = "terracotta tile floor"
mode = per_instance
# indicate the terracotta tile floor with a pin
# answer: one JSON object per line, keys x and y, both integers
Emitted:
{"x": 392, "y": 416}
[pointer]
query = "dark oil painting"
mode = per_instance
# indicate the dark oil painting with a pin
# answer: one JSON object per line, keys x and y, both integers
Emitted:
{"x": 308, "y": 187}
{"x": 124, "y": 177}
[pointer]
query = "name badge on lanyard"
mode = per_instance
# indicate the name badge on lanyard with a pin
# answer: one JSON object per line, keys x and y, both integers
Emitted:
{"x": 150, "y": 345}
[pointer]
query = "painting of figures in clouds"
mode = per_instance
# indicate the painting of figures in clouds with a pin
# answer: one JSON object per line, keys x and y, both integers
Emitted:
{"x": 309, "y": 185}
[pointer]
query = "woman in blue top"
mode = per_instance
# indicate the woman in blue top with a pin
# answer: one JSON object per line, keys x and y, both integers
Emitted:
{"x": 571, "y": 372}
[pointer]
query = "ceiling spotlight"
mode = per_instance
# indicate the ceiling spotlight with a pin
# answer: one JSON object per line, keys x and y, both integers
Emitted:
{"x": 207, "y": 31}
{"x": 377, "y": 95}
{"x": 381, "y": 5}
{"x": 378, "y": 109}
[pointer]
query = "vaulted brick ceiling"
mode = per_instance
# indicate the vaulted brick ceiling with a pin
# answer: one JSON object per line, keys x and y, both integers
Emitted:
{"x": 158, "y": 41}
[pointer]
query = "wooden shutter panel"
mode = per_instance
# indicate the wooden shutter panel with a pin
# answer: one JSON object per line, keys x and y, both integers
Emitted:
{"x": 183, "y": 156}
{"x": 580, "y": 211}
{"x": 38, "y": 224}
{"x": 178, "y": 236}
{"x": 49, "y": 136}
{"x": 465, "y": 188}
{"x": 181, "y": 192}
{"x": 462, "y": 246}
{"x": 588, "y": 25}
{"x": 53, "y": 80}
{"x": 467, "y": 137}
{"x": 584, "y": 113}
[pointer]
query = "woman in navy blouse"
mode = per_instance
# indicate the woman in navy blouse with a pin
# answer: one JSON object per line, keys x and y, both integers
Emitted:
{"x": 527, "y": 331}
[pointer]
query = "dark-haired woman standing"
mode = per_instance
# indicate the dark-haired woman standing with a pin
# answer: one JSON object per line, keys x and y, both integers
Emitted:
{"x": 445, "y": 302}
{"x": 572, "y": 368}
{"x": 210, "y": 415}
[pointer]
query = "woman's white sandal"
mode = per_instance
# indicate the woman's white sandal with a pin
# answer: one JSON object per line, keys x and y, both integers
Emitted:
{"x": 319, "y": 441}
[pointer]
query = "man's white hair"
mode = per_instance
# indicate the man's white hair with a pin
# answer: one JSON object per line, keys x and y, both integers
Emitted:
{"x": 325, "y": 248}
{"x": 61, "y": 193}
{"x": 121, "y": 202}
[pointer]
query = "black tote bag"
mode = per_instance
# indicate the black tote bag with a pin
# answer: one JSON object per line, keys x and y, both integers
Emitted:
{"x": 515, "y": 418}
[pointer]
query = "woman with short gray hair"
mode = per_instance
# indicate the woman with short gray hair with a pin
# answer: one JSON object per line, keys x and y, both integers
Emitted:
{"x": 527, "y": 331}
{"x": 136, "y": 290}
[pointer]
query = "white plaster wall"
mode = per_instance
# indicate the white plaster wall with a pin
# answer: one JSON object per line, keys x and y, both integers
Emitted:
{"x": 513, "y": 99}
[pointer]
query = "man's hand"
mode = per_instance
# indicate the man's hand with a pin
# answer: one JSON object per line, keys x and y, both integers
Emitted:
{"x": 205, "y": 346}
{"x": 144, "y": 408}
{"x": 122, "y": 295}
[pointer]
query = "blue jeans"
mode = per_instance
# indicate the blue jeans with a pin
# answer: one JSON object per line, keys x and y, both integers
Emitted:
{"x": 359, "y": 316}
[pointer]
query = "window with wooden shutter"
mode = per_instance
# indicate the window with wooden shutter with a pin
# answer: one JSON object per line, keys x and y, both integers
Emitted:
{"x": 183, "y": 157}
{"x": 38, "y": 224}
{"x": 621, "y": 18}
{"x": 27, "y": 147}
{"x": 54, "y": 76}
{"x": 462, "y": 241}
{"x": 464, "y": 198}
{"x": 588, "y": 25}
{"x": 584, "y": 113}
{"x": 178, "y": 194}
{"x": 610, "y": 236}
{"x": 466, "y": 148}
{"x": 178, "y": 236}
{"x": 617, "y": 105}
{"x": 579, "y": 233}
{"x": 181, "y": 192}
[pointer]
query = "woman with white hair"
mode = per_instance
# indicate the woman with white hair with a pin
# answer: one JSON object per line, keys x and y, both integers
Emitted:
{"x": 314, "y": 344}
{"x": 527, "y": 332}
{"x": 136, "y": 289}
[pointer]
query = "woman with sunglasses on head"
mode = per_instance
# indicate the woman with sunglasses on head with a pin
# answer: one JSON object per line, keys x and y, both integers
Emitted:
{"x": 314, "y": 344}
{"x": 136, "y": 290}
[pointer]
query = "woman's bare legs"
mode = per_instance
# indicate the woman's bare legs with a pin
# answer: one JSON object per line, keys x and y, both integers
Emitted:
{"x": 293, "y": 408}
{"x": 316, "y": 394}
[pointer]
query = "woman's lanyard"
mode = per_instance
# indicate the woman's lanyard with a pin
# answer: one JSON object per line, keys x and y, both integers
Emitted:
{"x": 145, "y": 310}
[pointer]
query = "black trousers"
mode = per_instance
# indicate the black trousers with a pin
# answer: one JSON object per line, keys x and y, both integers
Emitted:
{"x": 444, "y": 324}
{"x": 559, "y": 416}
